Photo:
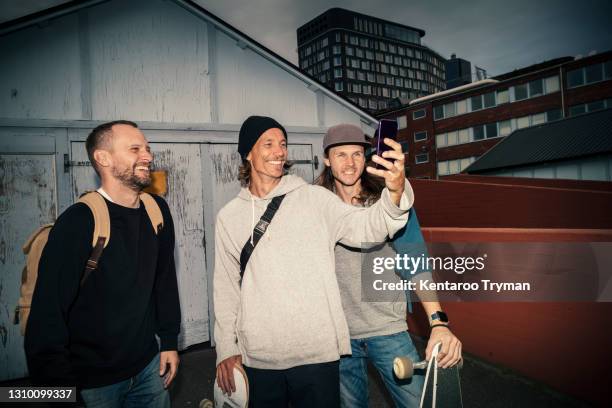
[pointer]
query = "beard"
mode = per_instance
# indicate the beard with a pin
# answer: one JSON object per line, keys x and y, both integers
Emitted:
{"x": 130, "y": 179}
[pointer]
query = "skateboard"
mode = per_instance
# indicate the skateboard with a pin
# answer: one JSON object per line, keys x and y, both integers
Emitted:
{"x": 442, "y": 387}
{"x": 238, "y": 399}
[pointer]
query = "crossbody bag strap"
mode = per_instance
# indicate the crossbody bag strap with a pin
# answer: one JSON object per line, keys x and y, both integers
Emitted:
{"x": 259, "y": 231}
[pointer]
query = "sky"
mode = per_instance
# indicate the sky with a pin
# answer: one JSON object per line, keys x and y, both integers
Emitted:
{"x": 497, "y": 35}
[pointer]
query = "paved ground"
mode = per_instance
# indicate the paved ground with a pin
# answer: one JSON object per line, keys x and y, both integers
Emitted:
{"x": 483, "y": 385}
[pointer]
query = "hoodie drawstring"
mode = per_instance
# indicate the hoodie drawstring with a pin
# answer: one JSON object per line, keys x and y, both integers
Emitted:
{"x": 252, "y": 218}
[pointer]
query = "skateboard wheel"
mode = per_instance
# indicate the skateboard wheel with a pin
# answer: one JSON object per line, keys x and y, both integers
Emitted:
{"x": 403, "y": 367}
{"x": 206, "y": 403}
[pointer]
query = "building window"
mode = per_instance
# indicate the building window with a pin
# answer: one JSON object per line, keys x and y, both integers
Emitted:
{"x": 418, "y": 114}
{"x": 463, "y": 136}
{"x": 420, "y": 136}
{"x": 449, "y": 109}
{"x": 608, "y": 69}
{"x": 595, "y": 106}
{"x": 421, "y": 158}
{"x": 489, "y": 100}
{"x": 521, "y": 92}
{"x": 551, "y": 84}
{"x": 479, "y": 132}
{"x": 536, "y": 88}
{"x": 337, "y": 61}
{"x": 593, "y": 73}
{"x": 577, "y": 110}
{"x": 452, "y": 138}
{"x": 505, "y": 127}
{"x": 538, "y": 119}
{"x": 461, "y": 106}
{"x": 476, "y": 102}
{"x": 575, "y": 78}
{"x": 350, "y": 74}
{"x": 554, "y": 114}
{"x": 522, "y": 122}
{"x": 441, "y": 140}
{"x": 491, "y": 129}
{"x": 438, "y": 112}
{"x": 443, "y": 168}
{"x": 338, "y": 87}
{"x": 402, "y": 122}
{"x": 465, "y": 163}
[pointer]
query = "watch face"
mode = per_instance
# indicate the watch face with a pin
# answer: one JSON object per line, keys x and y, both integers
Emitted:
{"x": 441, "y": 316}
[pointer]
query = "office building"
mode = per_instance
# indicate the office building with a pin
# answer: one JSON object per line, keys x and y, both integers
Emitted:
{"x": 369, "y": 60}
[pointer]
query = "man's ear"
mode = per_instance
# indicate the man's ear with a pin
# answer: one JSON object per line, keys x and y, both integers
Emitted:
{"x": 102, "y": 158}
{"x": 248, "y": 158}
{"x": 326, "y": 161}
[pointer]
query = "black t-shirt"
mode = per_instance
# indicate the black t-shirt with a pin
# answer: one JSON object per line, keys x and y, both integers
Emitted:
{"x": 103, "y": 332}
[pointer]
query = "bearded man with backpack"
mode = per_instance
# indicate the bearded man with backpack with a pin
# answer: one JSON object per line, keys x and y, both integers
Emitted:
{"x": 95, "y": 313}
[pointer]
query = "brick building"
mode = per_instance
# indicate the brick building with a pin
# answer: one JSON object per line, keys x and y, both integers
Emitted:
{"x": 445, "y": 132}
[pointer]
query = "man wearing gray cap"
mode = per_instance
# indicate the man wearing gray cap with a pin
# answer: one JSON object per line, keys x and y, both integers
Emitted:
{"x": 282, "y": 317}
{"x": 377, "y": 329}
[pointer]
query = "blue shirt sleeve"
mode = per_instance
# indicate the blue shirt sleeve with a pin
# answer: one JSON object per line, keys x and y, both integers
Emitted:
{"x": 409, "y": 241}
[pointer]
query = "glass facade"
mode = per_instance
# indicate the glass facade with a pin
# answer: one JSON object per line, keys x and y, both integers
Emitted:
{"x": 378, "y": 61}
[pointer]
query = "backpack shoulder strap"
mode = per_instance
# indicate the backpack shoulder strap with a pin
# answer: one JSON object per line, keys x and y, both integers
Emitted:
{"x": 98, "y": 207}
{"x": 153, "y": 210}
{"x": 101, "y": 235}
{"x": 28, "y": 244}
{"x": 259, "y": 231}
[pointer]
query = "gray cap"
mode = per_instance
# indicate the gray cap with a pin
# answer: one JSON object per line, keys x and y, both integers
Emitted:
{"x": 344, "y": 134}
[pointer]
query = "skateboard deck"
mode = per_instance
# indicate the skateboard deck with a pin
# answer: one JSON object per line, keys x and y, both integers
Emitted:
{"x": 238, "y": 399}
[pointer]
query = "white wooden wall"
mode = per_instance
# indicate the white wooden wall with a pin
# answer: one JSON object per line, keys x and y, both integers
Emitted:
{"x": 149, "y": 60}
{"x": 156, "y": 63}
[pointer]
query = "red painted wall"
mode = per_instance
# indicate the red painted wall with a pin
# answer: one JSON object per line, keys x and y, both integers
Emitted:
{"x": 561, "y": 344}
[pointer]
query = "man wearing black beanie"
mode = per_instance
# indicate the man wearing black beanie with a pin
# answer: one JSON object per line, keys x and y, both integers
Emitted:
{"x": 251, "y": 129}
{"x": 282, "y": 318}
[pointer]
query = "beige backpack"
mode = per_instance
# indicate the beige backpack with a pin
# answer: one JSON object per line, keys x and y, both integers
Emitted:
{"x": 35, "y": 244}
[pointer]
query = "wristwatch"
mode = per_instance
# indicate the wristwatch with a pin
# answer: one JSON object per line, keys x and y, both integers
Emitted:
{"x": 439, "y": 316}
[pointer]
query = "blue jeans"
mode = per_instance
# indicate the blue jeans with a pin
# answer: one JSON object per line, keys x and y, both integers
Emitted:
{"x": 145, "y": 389}
{"x": 380, "y": 350}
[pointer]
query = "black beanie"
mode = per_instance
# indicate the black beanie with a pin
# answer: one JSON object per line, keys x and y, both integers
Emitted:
{"x": 250, "y": 131}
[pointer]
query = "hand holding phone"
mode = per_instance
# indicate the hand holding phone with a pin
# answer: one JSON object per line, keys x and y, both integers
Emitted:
{"x": 387, "y": 128}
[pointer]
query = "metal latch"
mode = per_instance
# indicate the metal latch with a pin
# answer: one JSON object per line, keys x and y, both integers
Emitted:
{"x": 314, "y": 161}
{"x": 68, "y": 163}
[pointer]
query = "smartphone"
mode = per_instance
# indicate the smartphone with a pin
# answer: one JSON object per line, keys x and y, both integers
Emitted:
{"x": 387, "y": 128}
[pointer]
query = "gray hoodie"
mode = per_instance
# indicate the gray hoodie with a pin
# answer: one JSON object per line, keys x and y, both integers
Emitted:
{"x": 288, "y": 310}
